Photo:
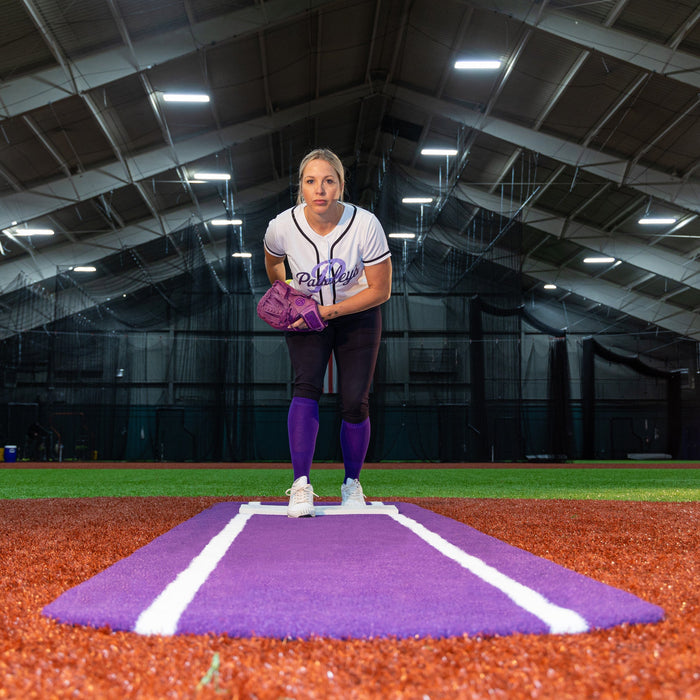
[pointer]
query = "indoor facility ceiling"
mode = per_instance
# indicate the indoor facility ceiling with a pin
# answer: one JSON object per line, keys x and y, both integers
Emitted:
{"x": 590, "y": 124}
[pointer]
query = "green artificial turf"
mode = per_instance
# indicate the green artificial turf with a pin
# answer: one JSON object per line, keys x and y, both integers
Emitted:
{"x": 583, "y": 483}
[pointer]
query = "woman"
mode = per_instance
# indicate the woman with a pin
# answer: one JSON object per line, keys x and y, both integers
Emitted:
{"x": 339, "y": 254}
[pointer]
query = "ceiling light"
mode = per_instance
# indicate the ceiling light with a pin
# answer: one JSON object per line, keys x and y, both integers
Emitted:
{"x": 439, "y": 152}
{"x": 226, "y": 222}
{"x": 603, "y": 259}
{"x": 242, "y": 255}
{"x": 417, "y": 200}
{"x": 211, "y": 176}
{"x": 650, "y": 221}
{"x": 478, "y": 65}
{"x": 184, "y": 97}
{"x": 29, "y": 232}
{"x": 550, "y": 286}
{"x": 402, "y": 235}
{"x": 84, "y": 268}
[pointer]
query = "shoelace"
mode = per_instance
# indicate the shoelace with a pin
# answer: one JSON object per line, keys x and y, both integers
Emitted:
{"x": 301, "y": 494}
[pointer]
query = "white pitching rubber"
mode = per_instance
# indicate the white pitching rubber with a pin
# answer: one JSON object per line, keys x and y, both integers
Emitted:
{"x": 373, "y": 508}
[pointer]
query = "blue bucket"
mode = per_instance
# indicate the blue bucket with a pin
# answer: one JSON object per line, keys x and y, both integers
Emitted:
{"x": 10, "y": 453}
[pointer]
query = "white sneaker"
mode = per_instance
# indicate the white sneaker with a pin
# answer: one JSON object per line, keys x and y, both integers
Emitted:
{"x": 351, "y": 494}
{"x": 301, "y": 499}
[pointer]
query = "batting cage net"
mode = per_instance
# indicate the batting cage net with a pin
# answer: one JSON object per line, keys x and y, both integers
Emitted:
{"x": 158, "y": 353}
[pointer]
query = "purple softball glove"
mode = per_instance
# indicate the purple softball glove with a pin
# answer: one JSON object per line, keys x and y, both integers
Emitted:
{"x": 281, "y": 305}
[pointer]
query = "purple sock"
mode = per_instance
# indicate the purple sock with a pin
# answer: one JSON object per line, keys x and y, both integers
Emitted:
{"x": 354, "y": 440}
{"x": 302, "y": 427}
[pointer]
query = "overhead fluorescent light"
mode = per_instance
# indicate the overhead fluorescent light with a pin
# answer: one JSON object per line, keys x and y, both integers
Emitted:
{"x": 185, "y": 97}
{"x": 84, "y": 268}
{"x": 439, "y": 152}
{"x": 417, "y": 200}
{"x": 242, "y": 255}
{"x": 196, "y": 182}
{"x": 602, "y": 259}
{"x": 29, "y": 231}
{"x": 550, "y": 286}
{"x": 211, "y": 176}
{"x": 655, "y": 221}
{"x": 226, "y": 222}
{"x": 478, "y": 64}
{"x": 402, "y": 235}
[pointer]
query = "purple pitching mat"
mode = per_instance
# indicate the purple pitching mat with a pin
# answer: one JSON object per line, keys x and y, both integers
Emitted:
{"x": 411, "y": 572}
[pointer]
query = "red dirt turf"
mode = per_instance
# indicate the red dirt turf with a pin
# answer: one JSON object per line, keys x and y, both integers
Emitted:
{"x": 649, "y": 549}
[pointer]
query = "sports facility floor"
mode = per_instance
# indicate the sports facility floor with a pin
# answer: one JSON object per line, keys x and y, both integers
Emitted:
{"x": 630, "y": 526}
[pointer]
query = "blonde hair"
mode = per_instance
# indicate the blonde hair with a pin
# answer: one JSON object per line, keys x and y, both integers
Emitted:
{"x": 330, "y": 158}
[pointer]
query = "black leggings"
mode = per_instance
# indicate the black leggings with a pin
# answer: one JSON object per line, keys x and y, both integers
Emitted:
{"x": 354, "y": 340}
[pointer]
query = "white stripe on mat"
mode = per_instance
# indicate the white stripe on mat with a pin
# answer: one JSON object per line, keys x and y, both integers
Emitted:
{"x": 163, "y": 614}
{"x": 559, "y": 620}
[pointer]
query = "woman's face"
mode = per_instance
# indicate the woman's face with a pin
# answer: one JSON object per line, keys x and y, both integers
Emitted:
{"x": 320, "y": 186}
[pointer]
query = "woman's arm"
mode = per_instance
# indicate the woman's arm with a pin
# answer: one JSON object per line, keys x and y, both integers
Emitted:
{"x": 378, "y": 291}
{"x": 274, "y": 267}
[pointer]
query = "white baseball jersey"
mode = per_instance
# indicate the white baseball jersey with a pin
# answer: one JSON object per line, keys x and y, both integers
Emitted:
{"x": 331, "y": 267}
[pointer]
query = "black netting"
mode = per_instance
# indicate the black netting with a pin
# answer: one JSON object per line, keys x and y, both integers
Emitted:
{"x": 159, "y": 355}
{"x": 652, "y": 426}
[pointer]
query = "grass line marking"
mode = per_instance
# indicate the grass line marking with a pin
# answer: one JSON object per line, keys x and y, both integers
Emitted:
{"x": 559, "y": 620}
{"x": 163, "y": 614}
